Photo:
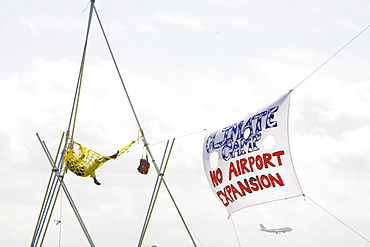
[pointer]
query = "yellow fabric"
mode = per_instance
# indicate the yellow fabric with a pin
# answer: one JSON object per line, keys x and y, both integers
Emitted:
{"x": 84, "y": 162}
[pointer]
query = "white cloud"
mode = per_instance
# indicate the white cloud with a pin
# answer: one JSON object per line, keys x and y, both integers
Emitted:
{"x": 51, "y": 22}
{"x": 347, "y": 24}
{"x": 182, "y": 20}
{"x": 177, "y": 91}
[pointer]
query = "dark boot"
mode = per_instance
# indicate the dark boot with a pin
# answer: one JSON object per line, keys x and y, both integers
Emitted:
{"x": 114, "y": 155}
{"x": 96, "y": 181}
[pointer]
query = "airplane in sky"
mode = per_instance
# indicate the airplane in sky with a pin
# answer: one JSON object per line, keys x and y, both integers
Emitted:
{"x": 277, "y": 230}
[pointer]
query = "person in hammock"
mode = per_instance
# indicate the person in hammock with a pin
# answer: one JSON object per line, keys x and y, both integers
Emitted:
{"x": 99, "y": 161}
{"x": 83, "y": 171}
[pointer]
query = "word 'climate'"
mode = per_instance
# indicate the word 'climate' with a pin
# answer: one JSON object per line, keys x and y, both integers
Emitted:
{"x": 240, "y": 138}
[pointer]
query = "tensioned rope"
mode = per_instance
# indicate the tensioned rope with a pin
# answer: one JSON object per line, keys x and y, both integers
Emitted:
{"x": 236, "y": 233}
{"x": 313, "y": 72}
{"x": 330, "y": 58}
{"x": 177, "y": 137}
{"x": 332, "y": 215}
{"x": 306, "y": 78}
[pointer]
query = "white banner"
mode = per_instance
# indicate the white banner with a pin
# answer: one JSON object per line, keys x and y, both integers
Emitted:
{"x": 248, "y": 162}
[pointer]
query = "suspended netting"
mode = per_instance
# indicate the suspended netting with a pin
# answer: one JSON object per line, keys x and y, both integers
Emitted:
{"x": 84, "y": 162}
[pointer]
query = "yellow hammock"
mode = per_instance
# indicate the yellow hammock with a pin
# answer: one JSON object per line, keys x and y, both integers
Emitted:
{"x": 84, "y": 162}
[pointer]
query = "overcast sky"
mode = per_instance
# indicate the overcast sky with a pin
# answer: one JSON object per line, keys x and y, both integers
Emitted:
{"x": 188, "y": 66}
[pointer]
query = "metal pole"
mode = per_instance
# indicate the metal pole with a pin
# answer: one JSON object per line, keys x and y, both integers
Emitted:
{"x": 48, "y": 199}
{"x": 146, "y": 144}
{"x": 69, "y": 197}
{"x": 153, "y": 199}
